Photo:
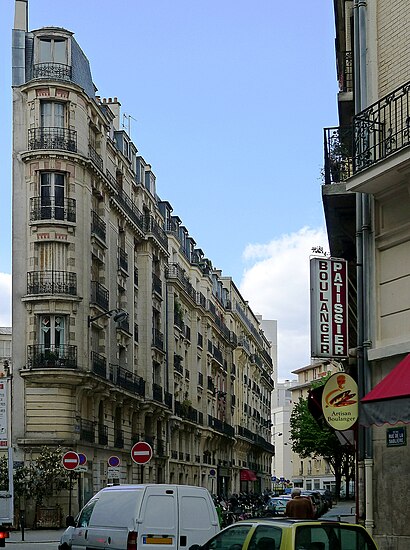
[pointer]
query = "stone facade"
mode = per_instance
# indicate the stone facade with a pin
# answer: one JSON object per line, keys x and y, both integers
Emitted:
{"x": 122, "y": 329}
{"x": 368, "y": 224}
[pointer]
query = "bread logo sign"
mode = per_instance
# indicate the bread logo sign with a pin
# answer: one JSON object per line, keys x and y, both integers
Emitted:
{"x": 340, "y": 402}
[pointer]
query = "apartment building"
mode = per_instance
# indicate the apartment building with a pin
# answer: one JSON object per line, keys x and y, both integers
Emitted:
{"x": 123, "y": 331}
{"x": 366, "y": 203}
{"x": 312, "y": 472}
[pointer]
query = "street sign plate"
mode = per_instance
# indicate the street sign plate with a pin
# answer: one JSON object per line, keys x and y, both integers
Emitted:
{"x": 141, "y": 452}
{"x": 70, "y": 460}
{"x": 113, "y": 473}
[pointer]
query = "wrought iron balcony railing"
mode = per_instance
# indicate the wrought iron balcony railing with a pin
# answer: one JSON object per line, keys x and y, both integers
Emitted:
{"x": 52, "y": 71}
{"x": 96, "y": 158}
{"x": 153, "y": 227}
{"x": 126, "y": 203}
{"x": 102, "y": 434}
{"x": 98, "y": 364}
{"x": 40, "y": 356}
{"x": 157, "y": 393}
{"x": 338, "y": 145}
{"x": 51, "y": 282}
{"x": 119, "y": 439}
{"x": 98, "y": 226}
{"x": 99, "y": 295}
{"x": 87, "y": 430}
{"x": 345, "y": 72}
{"x": 382, "y": 129}
{"x": 52, "y": 138}
{"x": 157, "y": 339}
{"x": 52, "y": 209}
{"x": 156, "y": 284}
{"x": 122, "y": 260}
{"x": 128, "y": 380}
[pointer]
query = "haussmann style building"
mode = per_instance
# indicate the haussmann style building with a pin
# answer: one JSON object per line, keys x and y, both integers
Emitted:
{"x": 367, "y": 204}
{"x": 123, "y": 331}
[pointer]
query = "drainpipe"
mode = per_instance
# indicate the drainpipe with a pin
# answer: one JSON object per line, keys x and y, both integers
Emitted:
{"x": 363, "y": 249}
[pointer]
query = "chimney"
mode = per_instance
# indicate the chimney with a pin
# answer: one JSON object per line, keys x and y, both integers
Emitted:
{"x": 21, "y": 15}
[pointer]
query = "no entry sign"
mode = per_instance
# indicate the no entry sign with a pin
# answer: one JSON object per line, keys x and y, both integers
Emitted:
{"x": 141, "y": 452}
{"x": 71, "y": 460}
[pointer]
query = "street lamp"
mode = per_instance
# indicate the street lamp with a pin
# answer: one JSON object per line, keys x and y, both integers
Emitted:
{"x": 119, "y": 315}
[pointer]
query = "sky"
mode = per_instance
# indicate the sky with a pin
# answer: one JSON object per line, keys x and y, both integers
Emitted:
{"x": 227, "y": 100}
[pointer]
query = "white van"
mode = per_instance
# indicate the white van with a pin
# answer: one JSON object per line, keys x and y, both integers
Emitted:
{"x": 147, "y": 517}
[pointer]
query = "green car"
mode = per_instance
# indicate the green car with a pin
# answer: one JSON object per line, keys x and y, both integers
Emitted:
{"x": 290, "y": 534}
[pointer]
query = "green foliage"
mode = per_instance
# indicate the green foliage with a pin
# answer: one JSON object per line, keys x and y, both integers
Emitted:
{"x": 40, "y": 479}
{"x": 311, "y": 439}
{"x": 308, "y": 438}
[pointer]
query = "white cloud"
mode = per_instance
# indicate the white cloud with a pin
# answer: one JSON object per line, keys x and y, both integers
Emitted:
{"x": 276, "y": 284}
{"x": 5, "y": 300}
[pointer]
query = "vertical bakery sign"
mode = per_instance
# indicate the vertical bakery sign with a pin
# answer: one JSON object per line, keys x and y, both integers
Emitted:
{"x": 328, "y": 307}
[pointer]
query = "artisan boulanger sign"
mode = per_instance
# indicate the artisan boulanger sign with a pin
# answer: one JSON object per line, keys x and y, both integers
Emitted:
{"x": 328, "y": 307}
{"x": 340, "y": 402}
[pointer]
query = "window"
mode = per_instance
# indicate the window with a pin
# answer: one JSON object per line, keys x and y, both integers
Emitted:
{"x": 53, "y": 50}
{"x": 84, "y": 518}
{"x": 52, "y": 328}
{"x": 52, "y": 114}
{"x": 230, "y": 539}
{"x": 52, "y": 196}
{"x": 5, "y": 348}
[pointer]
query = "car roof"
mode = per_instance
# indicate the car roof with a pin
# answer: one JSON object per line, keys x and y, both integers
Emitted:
{"x": 283, "y": 522}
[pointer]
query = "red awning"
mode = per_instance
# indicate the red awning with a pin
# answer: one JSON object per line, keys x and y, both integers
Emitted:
{"x": 389, "y": 401}
{"x": 248, "y": 475}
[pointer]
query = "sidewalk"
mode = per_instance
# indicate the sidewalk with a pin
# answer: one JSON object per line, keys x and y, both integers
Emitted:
{"x": 35, "y": 535}
{"x": 344, "y": 510}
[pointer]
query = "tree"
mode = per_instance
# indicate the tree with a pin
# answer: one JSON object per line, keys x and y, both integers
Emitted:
{"x": 313, "y": 439}
{"x": 40, "y": 479}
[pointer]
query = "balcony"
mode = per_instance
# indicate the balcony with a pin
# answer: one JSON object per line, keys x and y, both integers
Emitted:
{"x": 220, "y": 426}
{"x": 168, "y": 399}
{"x": 96, "y": 158}
{"x": 126, "y": 203}
{"x": 51, "y": 282}
{"x": 156, "y": 284}
{"x": 52, "y": 71}
{"x": 102, "y": 434}
{"x": 51, "y": 209}
{"x": 52, "y": 138}
{"x": 61, "y": 357}
{"x": 119, "y": 439}
{"x": 157, "y": 393}
{"x": 122, "y": 260}
{"x": 126, "y": 379}
{"x": 98, "y": 226}
{"x": 157, "y": 339}
{"x": 98, "y": 364}
{"x": 87, "y": 431}
{"x": 99, "y": 295}
{"x": 338, "y": 145}
{"x": 345, "y": 71}
{"x": 381, "y": 131}
{"x": 152, "y": 226}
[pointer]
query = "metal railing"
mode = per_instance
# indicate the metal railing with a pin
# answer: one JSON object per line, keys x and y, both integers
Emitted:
{"x": 98, "y": 364}
{"x": 52, "y": 138}
{"x": 122, "y": 259}
{"x": 51, "y": 209}
{"x": 87, "y": 430}
{"x": 382, "y": 129}
{"x": 156, "y": 284}
{"x": 157, "y": 393}
{"x": 51, "y": 282}
{"x": 338, "y": 146}
{"x": 96, "y": 158}
{"x": 98, "y": 226}
{"x": 52, "y": 71}
{"x": 157, "y": 339}
{"x": 345, "y": 71}
{"x": 99, "y": 295}
{"x": 126, "y": 379}
{"x": 40, "y": 356}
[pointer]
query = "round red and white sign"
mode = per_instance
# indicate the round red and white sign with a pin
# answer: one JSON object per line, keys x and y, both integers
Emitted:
{"x": 141, "y": 452}
{"x": 71, "y": 460}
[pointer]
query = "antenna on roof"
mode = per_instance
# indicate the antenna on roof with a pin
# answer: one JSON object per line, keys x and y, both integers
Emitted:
{"x": 126, "y": 122}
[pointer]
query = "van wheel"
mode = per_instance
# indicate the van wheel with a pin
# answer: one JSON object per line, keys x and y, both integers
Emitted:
{"x": 64, "y": 546}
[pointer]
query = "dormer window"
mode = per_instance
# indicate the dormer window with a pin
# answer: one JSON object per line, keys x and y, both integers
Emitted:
{"x": 53, "y": 50}
{"x": 52, "y": 58}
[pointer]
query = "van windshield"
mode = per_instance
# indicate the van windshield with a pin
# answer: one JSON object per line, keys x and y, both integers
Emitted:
{"x": 117, "y": 508}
